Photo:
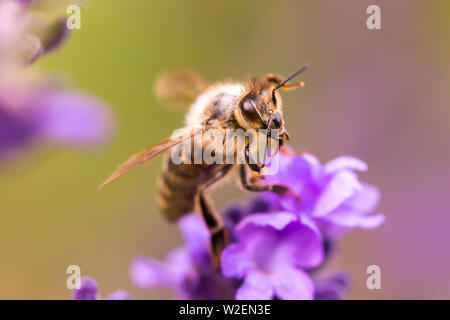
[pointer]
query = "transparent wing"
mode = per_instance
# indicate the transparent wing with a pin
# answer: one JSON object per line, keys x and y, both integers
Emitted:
{"x": 179, "y": 87}
{"x": 145, "y": 155}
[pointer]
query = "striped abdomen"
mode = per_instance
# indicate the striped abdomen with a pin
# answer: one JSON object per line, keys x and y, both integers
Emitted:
{"x": 178, "y": 186}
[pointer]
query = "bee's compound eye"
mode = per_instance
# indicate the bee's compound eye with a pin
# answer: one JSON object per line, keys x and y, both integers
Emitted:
{"x": 248, "y": 107}
{"x": 249, "y": 110}
{"x": 277, "y": 121}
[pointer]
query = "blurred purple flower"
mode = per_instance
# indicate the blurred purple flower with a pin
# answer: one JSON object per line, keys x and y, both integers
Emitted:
{"x": 34, "y": 110}
{"x": 333, "y": 287}
{"x": 52, "y": 37}
{"x": 72, "y": 118}
{"x": 33, "y": 107}
{"x": 89, "y": 291}
{"x": 25, "y": 35}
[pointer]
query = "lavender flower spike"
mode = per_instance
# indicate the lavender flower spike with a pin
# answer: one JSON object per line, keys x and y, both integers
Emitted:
{"x": 33, "y": 107}
{"x": 278, "y": 243}
{"x": 89, "y": 291}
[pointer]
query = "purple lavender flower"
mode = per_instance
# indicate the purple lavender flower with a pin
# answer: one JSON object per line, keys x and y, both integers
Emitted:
{"x": 278, "y": 243}
{"x": 89, "y": 291}
{"x": 331, "y": 194}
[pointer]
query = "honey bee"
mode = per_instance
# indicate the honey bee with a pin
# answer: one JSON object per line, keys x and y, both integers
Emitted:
{"x": 252, "y": 104}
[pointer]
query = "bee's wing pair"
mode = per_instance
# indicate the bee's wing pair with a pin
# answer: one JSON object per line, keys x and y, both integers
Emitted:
{"x": 179, "y": 87}
{"x": 145, "y": 155}
{"x": 174, "y": 86}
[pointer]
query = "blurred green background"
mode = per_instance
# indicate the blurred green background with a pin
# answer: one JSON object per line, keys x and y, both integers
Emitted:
{"x": 379, "y": 95}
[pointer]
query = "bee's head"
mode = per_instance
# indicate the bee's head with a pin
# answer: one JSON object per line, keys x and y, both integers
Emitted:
{"x": 260, "y": 107}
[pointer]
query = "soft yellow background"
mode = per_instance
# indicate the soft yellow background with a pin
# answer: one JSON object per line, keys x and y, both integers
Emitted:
{"x": 52, "y": 216}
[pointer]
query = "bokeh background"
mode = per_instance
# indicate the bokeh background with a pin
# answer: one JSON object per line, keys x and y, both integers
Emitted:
{"x": 380, "y": 95}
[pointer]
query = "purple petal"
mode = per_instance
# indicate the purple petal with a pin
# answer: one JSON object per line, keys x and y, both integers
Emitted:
{"x": 295, "y": 171}
{"x": 344, "y": 163}
{"x": 277, "y": 221}
{"x": 364, "y": 201}
{"x": 342, "y": 186}
{"x": 333, "y": 287}
{"x": 179, "y": 262}
{"x": 307, "y": 164}
{"x": 235, "y": 213}
{"x": 87, "y": 291}
{"x": 74, "y": 119}
{"x": 119, "y": 295}
{"x": 258, "y": 204}
{"x": 270, "y": 241}
{"x": 15, "y": 131}
{"x": 149, "y": 273}
{"x": 235, "y": 261}
{"x": 300, "y": 246}
{"x": 256, "y": 286}
{"x": 350, "y": 219}
{"x": 194, "y": 232}
{"x": 294, "y": 284}
{"x": 308, "y": 222}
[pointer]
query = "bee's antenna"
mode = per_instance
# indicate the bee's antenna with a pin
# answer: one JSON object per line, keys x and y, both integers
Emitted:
{"x": 267, "y": 137}
{"x": 296, "y": 73}
{"x": 269, "y": 123}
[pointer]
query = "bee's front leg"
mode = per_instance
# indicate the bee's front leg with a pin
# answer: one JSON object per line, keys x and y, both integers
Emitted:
{"x": 277, "y": 188}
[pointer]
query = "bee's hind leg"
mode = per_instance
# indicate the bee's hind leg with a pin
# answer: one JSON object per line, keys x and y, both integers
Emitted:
{"x": 219, "y": 236}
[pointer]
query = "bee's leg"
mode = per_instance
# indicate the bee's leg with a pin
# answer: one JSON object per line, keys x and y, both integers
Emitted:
{"x": 219, "y": 237}
{"x": 277, "y": 188}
